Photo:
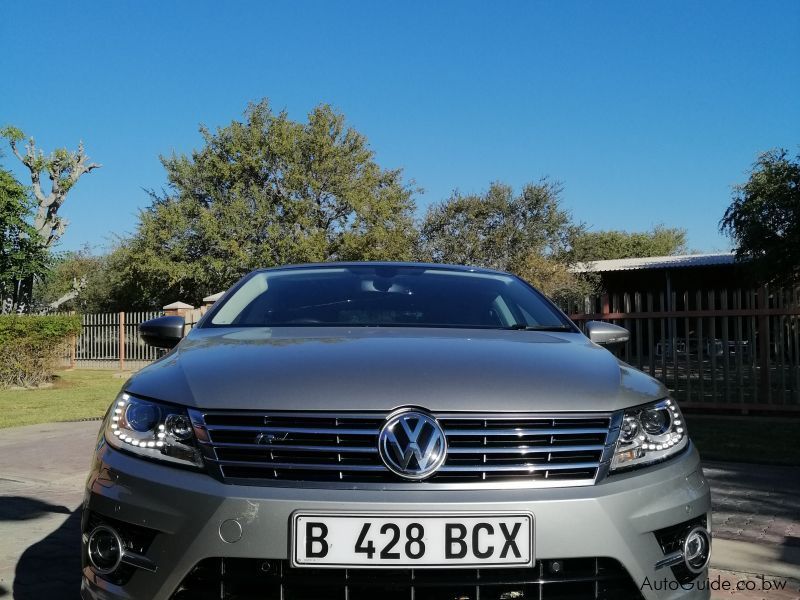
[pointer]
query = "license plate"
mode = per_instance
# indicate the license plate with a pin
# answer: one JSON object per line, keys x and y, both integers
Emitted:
{"x": 412, "y": 540}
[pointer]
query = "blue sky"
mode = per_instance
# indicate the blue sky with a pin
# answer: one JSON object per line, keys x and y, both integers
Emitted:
{"x": 648, "y": 112}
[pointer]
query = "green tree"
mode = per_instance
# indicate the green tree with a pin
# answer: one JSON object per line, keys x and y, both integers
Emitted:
{"x": 555, "y": 278}
{"x": 528, "y": 234}
{"x": 763, "y": 219}
{"x": 604, "y": 245}
{"x": 265, "y": 191}
{"x": 22, "y": 254}
{"x": 498, "y": 229}
{"x": 77, "y": 281}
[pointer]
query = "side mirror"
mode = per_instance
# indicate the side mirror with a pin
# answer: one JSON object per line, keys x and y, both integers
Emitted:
{"x": 606, "y": 334}
{"x": 162, "y": 332}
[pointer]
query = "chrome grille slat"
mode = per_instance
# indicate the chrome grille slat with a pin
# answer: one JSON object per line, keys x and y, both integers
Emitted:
{"x": 299, "y": 448}
{"x": 526, "y": 467}
{"x": 484, "y": 449}
{"x": 521, "y": 450}
{"x": 321, "y": 430}
{"x": 302, "y": 466}
{"x": 520, "y": 432}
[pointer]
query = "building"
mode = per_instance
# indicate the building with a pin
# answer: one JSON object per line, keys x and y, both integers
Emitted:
{"x": 701, "y": 323}
{"x": 667, "y": 274}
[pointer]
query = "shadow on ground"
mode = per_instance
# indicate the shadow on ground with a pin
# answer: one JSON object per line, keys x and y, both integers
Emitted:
{"x": 50, "y": 568}
{"x": 755, "y": 503}
{"x": 20, "y": 508}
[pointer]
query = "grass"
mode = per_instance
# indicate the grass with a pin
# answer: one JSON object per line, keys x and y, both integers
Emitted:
{"x": 747, "y": 439}
{"x": 78, "y": 394}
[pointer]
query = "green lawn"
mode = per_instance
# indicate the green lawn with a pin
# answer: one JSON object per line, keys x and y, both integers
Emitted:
{"x": 749, "y": 439}
{"x": 77, "y": 394}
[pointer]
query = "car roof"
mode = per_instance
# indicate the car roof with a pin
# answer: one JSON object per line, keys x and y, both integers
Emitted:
{"x": 440, "y": 266}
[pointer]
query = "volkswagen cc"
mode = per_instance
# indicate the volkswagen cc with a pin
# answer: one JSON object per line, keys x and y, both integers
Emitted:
{"x": 393, "y": 431}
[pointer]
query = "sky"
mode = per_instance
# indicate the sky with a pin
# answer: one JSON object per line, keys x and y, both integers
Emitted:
{"x": 646, "y": 112}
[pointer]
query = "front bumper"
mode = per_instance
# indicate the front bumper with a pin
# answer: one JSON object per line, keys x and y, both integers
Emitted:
{"x": 615, "y": 518}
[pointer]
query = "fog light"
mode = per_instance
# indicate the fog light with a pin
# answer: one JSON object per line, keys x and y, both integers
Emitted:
{"x": 696, "y": 549}
{"x": 104, "y": 548}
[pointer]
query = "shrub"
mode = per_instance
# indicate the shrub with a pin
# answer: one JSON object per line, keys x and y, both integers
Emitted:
{"x": 30, "y": 347}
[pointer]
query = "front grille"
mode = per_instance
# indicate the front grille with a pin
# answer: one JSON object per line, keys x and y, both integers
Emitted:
{"x": 527, "y": 449}
{"x": 251, "y": 579}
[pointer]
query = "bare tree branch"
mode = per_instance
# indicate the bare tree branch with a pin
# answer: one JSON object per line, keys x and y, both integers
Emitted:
{"x": 15, "y": 150}
{"x": 63, "y": 168}
{"x": 77, "y": 288}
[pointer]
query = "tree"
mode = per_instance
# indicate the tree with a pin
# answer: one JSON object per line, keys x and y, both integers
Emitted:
{"x": 265, "y": 191}
{"x": 555, "y": 278}
{"x": 605, "y": 245}
{"x": 498, "y": 229}
{"x": 763, "y": 219}
{"x": 63, "y": 168}
{"x": 76, "y": 281}
{"x": 22, "y": 254}
{"x": 528, "y": 234}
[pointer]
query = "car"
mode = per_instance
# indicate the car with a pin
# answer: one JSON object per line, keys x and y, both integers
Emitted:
{"x": 392, "y": 430}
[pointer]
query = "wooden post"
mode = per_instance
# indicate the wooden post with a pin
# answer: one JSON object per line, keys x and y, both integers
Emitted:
{"x": 122, "y": 341}
{"x": 701, "y": 365}
{"x": 73, "y": 350}
{"x": 712, "y": 336}
{"x": 181, "y": 309}
{"x": 763, "y": 346}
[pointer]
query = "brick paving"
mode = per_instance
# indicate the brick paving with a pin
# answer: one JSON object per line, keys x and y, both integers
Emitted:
{"x": 755, "y": 503}
{"x": 42, "y": 470}
{"x": 753, "y": 587}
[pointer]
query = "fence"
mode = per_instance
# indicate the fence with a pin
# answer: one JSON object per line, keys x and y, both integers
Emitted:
{"x": 112, "y": 340}
{"x": 714, "y": 349}
{"x": 726, "y": 349}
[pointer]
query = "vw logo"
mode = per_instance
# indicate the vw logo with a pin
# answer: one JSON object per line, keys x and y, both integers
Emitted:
{"x": 412, "y": 444}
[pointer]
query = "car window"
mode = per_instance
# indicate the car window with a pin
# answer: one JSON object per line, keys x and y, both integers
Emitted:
{"x": 384, "y": 296}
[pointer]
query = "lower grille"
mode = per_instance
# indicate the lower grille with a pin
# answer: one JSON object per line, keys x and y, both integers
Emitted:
{"x": 135, "y": 538}
{"x": 669, "y": 539}
{"x": 251, "y": 579}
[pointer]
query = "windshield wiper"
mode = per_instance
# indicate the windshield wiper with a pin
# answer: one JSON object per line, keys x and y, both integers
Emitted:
{"x": 524, "y": 327}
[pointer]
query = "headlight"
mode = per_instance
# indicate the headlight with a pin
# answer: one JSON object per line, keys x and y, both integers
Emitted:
{"x": 650, "y": 434}
{"x": 152, "y": 430}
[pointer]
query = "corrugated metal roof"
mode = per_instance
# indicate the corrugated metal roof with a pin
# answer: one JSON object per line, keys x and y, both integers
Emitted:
{"x": 655, "y": 262}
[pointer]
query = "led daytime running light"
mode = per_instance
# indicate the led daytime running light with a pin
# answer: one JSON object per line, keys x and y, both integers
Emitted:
{"x": 649, "y": 434}
{"x": 144, "y": 428}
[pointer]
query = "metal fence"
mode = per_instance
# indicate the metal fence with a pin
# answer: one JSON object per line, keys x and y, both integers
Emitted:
{"x": 714, "y": 349}
{"x": 112, "y": 340}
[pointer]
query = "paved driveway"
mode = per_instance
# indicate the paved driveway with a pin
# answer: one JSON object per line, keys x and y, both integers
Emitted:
{"x": 42, "y": 470}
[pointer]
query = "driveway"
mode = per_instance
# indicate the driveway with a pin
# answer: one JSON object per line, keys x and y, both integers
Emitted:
{"x": 42, "y": 469}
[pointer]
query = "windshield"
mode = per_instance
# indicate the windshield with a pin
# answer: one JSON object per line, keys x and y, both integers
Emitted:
{"x": 389, "y": 296}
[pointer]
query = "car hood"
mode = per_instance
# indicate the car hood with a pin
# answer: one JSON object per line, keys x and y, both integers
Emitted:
{"x": 315, "y": 368}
